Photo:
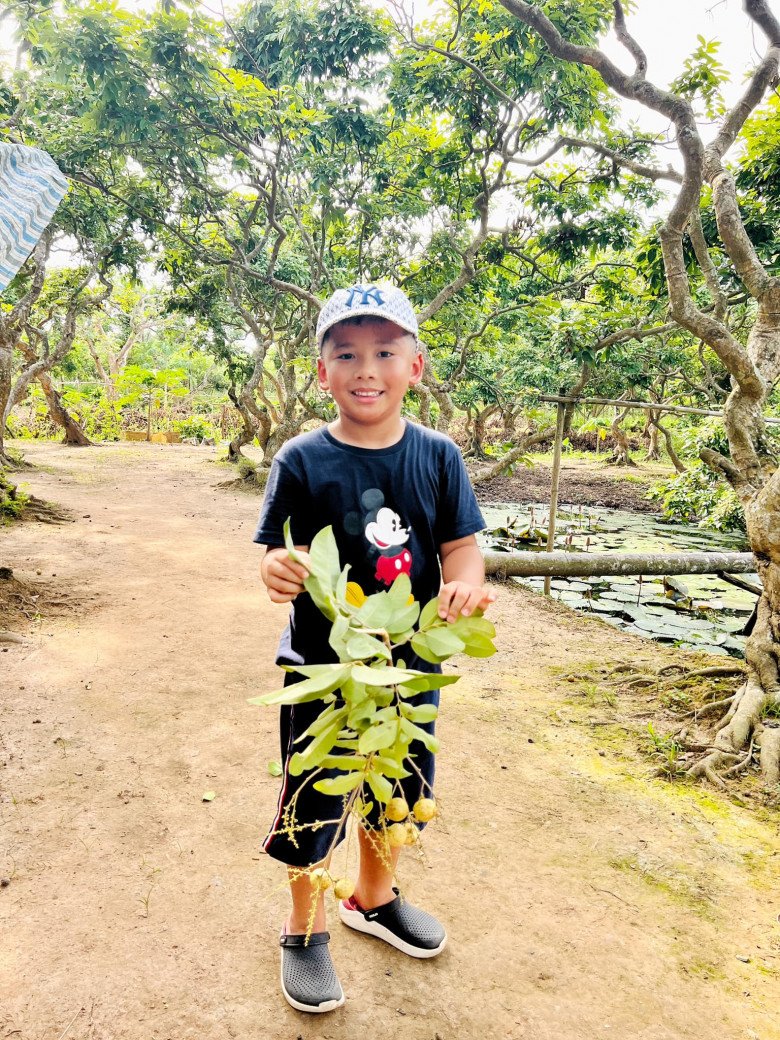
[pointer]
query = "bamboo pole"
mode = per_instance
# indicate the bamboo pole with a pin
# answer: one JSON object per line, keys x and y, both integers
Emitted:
{"x": 647, "y": 405}
{"x": 556, "y": 480}
{"x": 573, "y": 564}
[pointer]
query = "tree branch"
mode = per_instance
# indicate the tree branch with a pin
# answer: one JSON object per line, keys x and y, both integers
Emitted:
{"x": 628, "y": 40}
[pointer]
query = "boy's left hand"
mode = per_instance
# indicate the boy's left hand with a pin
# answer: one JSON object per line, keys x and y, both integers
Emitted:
{"x": 459, "y": 597}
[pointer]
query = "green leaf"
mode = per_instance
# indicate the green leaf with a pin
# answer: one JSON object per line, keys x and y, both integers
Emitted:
{"x": 420, "y": 712}
{"x": 377, "y": 738}
{"x": 341, "y": 587}
{"x": 344, "y": 763}
{"x": 338, "y": 633}
{"x": 325, "y": 719}
{"x": 339, "y": 784}
{"x": 389, "y": 767}
{"x": 479, "y": 646}
{"x": 444, "y": 642}
{"x": 381, "y": 786}
{"x": 429, "y": 613}
{"x": 381, "y": 676}
{"x": 353, "y": 692}
{"x": 376, "y": 611}
{"x": 422, "y": 648}
{"x": 361, "y": 713}
{"x": 208, "y": 796}
{"x": 324, "y": 555}
{"x": 402, "y": 637}
{"x": 425, "y": 682}
{"x": 316, "y": 750}
{"x": 289, "y": 544}
{"x": 275, "y": 768}
{"x": 326, "y": 679}
{"x": 463, "y": 627}
{"x": 400, "y": 591}
{"x": 412, "y": 732}
{"x": 404, "y": 618}
{"x": 322, "y": 596}
{"x": 361, "y": 646}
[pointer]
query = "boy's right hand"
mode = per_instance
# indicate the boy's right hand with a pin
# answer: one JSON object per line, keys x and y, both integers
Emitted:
{"x": 284, "y": 577}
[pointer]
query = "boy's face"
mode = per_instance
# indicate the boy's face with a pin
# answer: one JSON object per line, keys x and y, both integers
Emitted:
{"x": 367, "y": 368}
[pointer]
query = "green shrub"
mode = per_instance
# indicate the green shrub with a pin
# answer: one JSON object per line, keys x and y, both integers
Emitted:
{"x": 701, "y": 494}
{"x": 12, "y": 501}
{"x": 195, "y": 426}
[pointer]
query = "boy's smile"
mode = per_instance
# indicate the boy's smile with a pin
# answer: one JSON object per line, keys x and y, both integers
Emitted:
{"x": 368, "y": 368}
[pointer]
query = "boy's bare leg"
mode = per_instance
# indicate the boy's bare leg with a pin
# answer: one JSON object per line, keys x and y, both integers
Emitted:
{"x": 377, "y": 867}
{"x": 302, "y": 898}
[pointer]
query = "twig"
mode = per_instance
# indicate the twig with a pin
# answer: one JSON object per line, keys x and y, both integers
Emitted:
{"x": 607, "y": 892}
{"x": 741, "y": 583}
{"x": 67, "y": 1027}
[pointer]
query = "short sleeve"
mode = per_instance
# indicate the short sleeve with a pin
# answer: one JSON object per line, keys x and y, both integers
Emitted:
{"x": 458, "y": 513}
{"x": 285, "y": 496}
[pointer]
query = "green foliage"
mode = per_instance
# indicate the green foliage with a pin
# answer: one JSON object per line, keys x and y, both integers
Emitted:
{"x": 702, "y": 77}
{"x": 369, "y": 720}
{"x": 12, "y": 501}
{"x": 667, "y": 751}
{"x": 700, "y": 494}
{"x": 96, "y": 413}
{"x": 195, "y": 426}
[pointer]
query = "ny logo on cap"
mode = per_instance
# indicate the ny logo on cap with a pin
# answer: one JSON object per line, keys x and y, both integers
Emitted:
{"x": 366, "y": 294}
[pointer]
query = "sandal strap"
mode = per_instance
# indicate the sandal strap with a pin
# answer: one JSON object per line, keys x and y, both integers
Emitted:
{"x": 315, "y": 939}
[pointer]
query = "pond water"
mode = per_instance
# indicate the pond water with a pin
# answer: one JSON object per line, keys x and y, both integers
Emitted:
{"x": 694, "y": 611}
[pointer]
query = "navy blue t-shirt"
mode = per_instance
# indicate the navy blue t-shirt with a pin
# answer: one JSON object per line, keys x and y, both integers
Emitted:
{"x": 390, "y": 509}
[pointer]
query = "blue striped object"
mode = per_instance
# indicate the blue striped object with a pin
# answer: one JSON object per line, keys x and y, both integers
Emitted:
{"x": 31, "y": 188}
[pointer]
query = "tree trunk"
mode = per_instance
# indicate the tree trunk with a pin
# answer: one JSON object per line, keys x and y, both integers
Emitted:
{"x": 574, "y": 391}
{"x": 6, "y": 379}
{"x": 676, "y": 461}
{"x": 651, "y": 434}
{"x": 496, "y": 469}
{"x": 11, "y": 328}
{"x": 424, "y": 395}
{"x": 248, "y": 430}
{"x": 571, "y": 565}
{"x": 475, "y": 448}
{"x": 59, "y": 413}
{"x": 622, "y": 453}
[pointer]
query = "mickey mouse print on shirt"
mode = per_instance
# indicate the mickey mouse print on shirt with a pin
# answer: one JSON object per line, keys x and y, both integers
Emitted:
{"x": 386, "y": 533}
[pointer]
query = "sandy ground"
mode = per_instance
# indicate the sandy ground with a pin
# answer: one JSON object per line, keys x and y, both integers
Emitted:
{"x": 583, "y": 900}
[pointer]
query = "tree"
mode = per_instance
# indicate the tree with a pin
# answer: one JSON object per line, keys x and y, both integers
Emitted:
{"x": 754, "y": 365}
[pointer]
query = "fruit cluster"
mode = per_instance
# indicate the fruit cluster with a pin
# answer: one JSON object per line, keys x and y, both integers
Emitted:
{"x": 369, "y": 718}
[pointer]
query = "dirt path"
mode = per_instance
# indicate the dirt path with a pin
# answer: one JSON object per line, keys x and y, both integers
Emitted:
{"x": 583, "y": 901}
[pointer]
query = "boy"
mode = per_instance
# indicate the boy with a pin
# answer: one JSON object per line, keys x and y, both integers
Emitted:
{"x": 399, "y": 500}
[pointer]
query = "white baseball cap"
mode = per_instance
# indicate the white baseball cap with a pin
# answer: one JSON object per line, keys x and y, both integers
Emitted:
{"x": 378, "y": 301}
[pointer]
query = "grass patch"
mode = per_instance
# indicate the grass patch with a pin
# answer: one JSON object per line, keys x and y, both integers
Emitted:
{"x": 673, "y": 882}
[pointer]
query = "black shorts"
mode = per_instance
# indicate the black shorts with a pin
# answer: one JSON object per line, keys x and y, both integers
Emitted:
{"x": 311, "y": 844}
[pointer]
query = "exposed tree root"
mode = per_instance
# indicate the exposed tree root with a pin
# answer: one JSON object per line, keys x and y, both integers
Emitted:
{"x": 734, "y": 668}
{"x": 710, "y": 707}
{"x": 249, "y": 480}
{"x": 739, "y": 728}
{"x": 770, "y": 756}
{"x": 46, "y": 512}
{"x": 742, "y": 764}
{"x": 617, "y": 676}
{"x": 14, "y": 462}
